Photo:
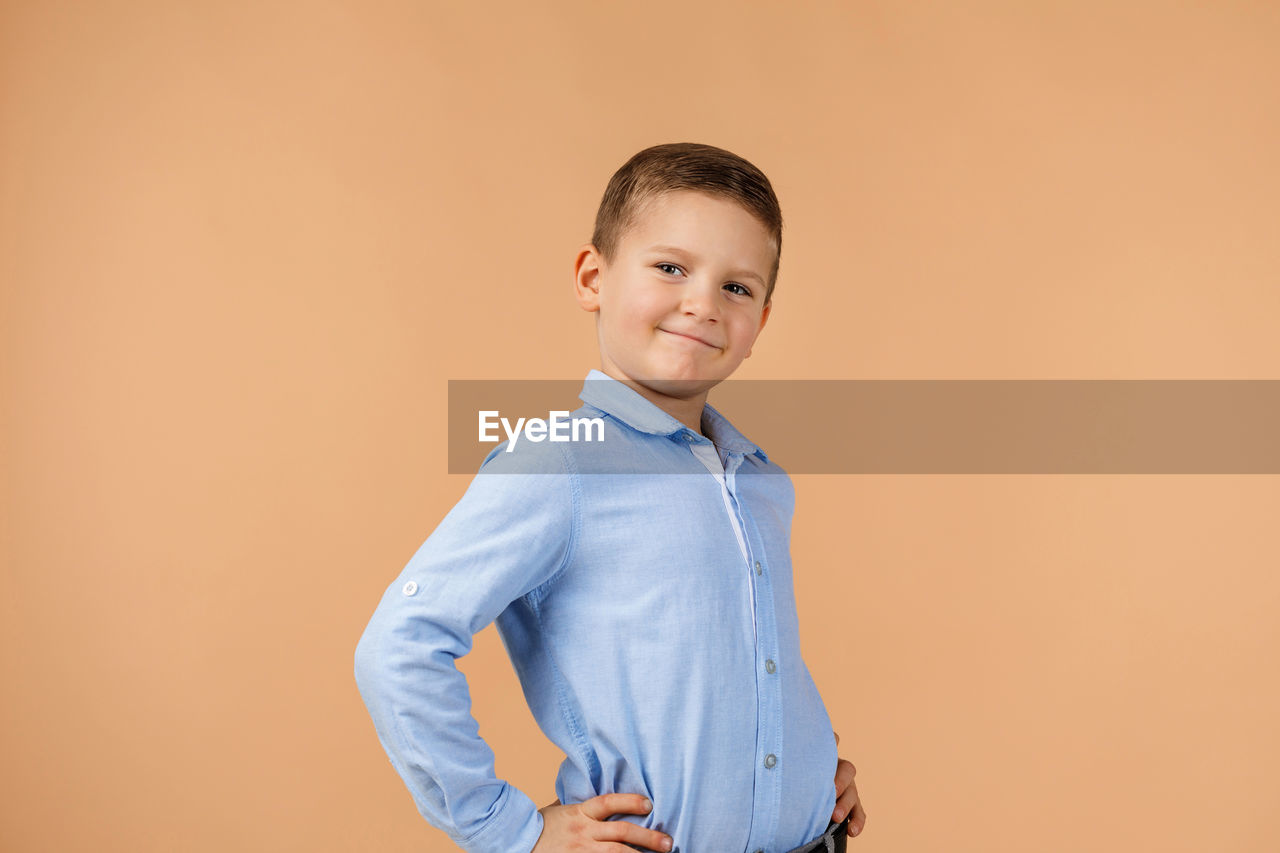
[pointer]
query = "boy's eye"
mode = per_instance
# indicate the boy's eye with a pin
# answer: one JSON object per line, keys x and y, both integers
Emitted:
{"x": 671, "y": 269}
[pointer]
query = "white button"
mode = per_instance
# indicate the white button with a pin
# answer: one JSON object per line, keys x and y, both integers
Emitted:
{"x": 411, "y": 587}
{"x": 757, "y": 567}
{"x": 770, "y": 667}
{"x": 770, "y": 760}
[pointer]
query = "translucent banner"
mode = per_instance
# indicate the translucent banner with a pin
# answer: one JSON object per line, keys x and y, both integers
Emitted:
{"x": 922, "y": 426}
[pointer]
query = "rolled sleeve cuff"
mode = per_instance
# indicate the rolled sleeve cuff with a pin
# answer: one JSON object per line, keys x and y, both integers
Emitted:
{"x": 515, "y": 826}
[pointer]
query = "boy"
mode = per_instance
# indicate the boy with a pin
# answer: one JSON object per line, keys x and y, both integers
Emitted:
{"x": 641, "y": 584}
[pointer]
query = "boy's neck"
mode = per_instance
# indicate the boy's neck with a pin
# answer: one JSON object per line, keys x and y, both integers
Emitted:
{"x": 687, "y": 410}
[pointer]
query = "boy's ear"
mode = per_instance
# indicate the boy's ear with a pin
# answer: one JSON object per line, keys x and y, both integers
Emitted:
{"x": 764, "y": 318}
{"x": 586, "y": 277}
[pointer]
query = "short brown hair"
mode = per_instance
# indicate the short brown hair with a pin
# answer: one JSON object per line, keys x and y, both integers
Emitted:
{"x": 675, "y": 166}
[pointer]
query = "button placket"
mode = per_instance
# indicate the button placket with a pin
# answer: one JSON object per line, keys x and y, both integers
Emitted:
{"x": 768, "y": 795}
{"x": 769, "y": 690}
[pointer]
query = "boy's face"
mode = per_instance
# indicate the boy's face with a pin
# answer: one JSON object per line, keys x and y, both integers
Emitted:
{"x": 684, "y": 298}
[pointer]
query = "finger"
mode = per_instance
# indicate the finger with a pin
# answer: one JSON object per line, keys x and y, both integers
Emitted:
{"x": 623, "y": 830}
{"x": 603, "y": 805}
{"x": 845, "y": 771}
{"x": 858, "y": 821}
{"x": 843, "y": 783}
{"x": 846, "y": 804}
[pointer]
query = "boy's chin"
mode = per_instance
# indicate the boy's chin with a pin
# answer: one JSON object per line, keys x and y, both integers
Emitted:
{"x": 680, "y": 388}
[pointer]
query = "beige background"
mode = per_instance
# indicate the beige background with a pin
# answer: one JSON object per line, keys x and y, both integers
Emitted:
{"x": 243, "y": 247}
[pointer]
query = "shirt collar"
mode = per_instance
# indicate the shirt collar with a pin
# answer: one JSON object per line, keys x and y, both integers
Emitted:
{"x": 620, "y": 401}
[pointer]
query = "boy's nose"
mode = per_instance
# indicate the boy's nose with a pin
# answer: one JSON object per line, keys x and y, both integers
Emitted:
{"x": 699, "y": 300}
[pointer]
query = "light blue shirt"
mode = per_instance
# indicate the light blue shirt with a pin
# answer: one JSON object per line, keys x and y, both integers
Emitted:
{"x": 645, "y": 600}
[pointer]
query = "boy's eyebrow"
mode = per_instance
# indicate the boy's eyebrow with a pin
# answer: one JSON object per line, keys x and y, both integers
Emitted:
{"x": 676, "y": 250}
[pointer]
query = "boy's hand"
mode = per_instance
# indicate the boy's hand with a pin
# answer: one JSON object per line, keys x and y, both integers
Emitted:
{"x": 583, "y": 826}
{"x": 847, "y": 795}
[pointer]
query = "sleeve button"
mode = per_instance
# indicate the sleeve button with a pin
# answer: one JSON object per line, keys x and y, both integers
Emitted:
{"x": 410, "y": 588}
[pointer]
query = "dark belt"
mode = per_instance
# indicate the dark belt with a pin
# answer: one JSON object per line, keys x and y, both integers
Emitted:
{"x": 831, "y": 841}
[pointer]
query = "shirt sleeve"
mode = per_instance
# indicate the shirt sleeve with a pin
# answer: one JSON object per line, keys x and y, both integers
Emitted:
{"x": 511, "y": 532}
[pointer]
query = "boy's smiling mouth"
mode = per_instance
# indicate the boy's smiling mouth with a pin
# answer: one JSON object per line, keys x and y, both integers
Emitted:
{"x": 690, "y": 337}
